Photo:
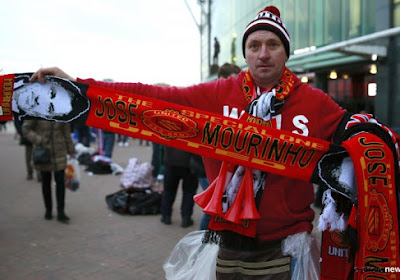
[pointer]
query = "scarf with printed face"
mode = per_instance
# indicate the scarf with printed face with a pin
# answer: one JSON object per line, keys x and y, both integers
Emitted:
{"x": 253, "y": 144}
{"x": 232, "y": 198}
{"x": 256, "y": 144}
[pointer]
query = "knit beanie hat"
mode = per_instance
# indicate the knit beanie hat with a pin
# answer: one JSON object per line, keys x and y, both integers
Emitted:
{"x": 268, "y": 19}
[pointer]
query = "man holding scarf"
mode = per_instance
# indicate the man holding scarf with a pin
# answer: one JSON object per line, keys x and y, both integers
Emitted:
{"x": 267, "y": 93}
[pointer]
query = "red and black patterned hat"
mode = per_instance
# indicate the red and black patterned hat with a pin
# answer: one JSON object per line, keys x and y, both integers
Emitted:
{"x": 268, "y": 19}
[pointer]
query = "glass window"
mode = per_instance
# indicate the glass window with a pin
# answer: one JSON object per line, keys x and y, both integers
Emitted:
{"x": 288, "y": 14}
{"x": 332, "y": 23}
{"x": 354, "y": 18}
{"x": 302, "y": 31}
{"x": 368, "y": 16}
{"x": 318, "y": 23}
{"x": 396, "y": 13}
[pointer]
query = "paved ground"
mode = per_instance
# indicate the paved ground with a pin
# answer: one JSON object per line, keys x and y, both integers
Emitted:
{"x": 97, "y": 244}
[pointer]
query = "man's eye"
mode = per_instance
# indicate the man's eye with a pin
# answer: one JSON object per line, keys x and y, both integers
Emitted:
{"x": 52, "y": 93}
{"x": 274, "y": 45}
{"x": 51, "y": 108}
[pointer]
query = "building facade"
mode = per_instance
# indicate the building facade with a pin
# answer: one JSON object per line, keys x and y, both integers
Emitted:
{"x": 347, "y": 48}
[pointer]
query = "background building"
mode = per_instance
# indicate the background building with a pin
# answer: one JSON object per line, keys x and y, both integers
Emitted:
{"x": 347, "y": 48}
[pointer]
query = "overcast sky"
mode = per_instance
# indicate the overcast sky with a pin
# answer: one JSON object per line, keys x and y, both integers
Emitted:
{"x": 148, "y": 41}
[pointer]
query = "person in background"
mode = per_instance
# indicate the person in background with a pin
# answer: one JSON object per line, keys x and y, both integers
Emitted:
{"x": 197, "y": 168}
{"x": 83, "y": 131}
{"x": 108, "y": 143}
{"x": 157, "y": 157}
{"x": 228, "y": 69}
{"x": 107, "y": 138}
{"x": 28, "y": 148}
{"x": 55, "y": 136}
{"x": 217, "y": 49}
{"x": 157, "y": 161}
{"x": 122, "y": 140}
{"x": 3, "y": 125}
{"x": 146, "y": 141}
{"x": 176, "y": 164}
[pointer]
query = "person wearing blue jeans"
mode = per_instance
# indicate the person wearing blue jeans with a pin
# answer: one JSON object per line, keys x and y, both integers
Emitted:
{"x": 205, "y": 220}
{"x": 108, "y": 143}
{"x": 197, "y": 168}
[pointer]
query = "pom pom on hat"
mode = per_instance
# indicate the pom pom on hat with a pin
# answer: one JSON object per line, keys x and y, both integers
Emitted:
{"x": 273, "y": 10}
{"x": 268, "y": 19}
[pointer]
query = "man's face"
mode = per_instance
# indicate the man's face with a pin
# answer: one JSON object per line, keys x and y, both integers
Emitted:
{"x": 265, "y": 57}
{"x": 43, "y": 100}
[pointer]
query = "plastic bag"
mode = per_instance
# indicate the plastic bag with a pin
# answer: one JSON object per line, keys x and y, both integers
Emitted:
{"x": 191, "y": 259}
{"x": 72, "y": 175}
{"x": 303, "y": 248}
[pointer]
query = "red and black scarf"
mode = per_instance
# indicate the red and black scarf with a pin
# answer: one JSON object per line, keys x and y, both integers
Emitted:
{"x": 369, "y": 247}
{"x": 243, "y": 143}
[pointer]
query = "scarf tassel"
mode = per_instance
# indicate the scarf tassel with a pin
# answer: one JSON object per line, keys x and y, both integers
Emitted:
{"x": 249, "y": 211}
{"x": 243, "y": 207}
{"x": 202, "y": 199}
{"x": 233, "y": 213}
{"x": 211, "y": 199}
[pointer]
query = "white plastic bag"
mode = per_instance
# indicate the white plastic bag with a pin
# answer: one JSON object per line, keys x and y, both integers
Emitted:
{"x": 304, "y": 249}
{"x": 191, "y": 259}
{"x": 72, "y": 175}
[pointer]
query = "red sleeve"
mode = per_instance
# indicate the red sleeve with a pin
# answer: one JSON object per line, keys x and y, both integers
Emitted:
{"x": 197, "y": 96}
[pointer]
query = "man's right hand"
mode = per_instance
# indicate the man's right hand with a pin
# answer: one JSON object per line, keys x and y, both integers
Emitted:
{"x": 55, "y": 71}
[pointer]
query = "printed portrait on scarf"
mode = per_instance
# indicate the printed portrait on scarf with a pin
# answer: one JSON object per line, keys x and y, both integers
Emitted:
{"x": 57, "y": 100}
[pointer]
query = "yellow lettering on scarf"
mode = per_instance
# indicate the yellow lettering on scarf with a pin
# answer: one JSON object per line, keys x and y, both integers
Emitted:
{"x": 7, "y": 94}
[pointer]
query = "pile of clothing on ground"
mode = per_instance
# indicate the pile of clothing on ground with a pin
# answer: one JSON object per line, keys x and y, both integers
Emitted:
{"x": 140, "y": 193}
{"x": 95, "y": 163}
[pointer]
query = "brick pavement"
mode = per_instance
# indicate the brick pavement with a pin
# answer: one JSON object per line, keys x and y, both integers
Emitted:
{"x": 97, "y": 244}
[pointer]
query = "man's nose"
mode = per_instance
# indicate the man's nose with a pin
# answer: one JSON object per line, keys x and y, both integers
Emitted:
{"x": 264, "y": 53}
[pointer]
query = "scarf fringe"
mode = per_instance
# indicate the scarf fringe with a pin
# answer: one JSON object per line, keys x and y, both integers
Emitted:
{"x": 211, "y": 237}
{"x": 330, "y": 219}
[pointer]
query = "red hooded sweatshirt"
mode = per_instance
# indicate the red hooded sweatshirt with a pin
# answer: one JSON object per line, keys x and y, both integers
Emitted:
{"x": 285, "y": 204}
